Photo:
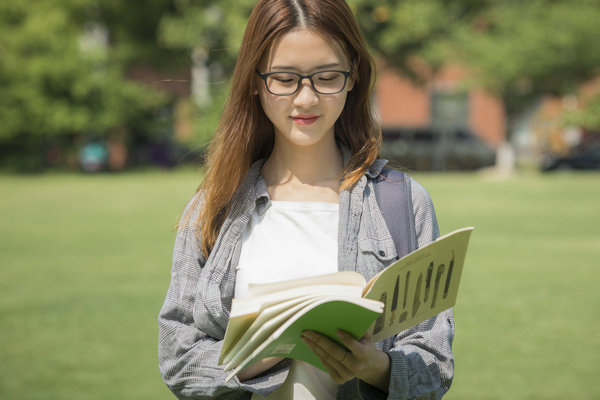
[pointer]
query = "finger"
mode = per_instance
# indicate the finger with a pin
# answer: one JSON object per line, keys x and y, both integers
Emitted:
{"x": 355, "y": 346}
{"x": 331, "y": 348}
{"x": 340, "y": 368}
{"x": 338, "y": 373}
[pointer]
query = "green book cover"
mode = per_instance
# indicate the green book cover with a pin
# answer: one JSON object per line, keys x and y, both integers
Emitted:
{"x": 326, "y": 316}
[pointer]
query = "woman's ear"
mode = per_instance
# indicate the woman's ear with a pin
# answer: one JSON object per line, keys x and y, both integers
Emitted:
{"x": 351, "y": 81}
{"x": 256, "y": 85}
{"x": 353, "y": 78}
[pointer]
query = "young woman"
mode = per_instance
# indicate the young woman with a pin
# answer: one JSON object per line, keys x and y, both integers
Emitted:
{"x": 289, "y": 193}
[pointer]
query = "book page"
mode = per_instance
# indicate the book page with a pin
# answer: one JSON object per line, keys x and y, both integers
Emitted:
{"x": 267, "y": 321}
{"x": 350, "y": 278}
{"x": 255, "y": 304}
{"x": 420, "y": 285}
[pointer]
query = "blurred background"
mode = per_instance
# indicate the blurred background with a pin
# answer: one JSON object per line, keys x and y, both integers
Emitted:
{"x": 106, "y": 107}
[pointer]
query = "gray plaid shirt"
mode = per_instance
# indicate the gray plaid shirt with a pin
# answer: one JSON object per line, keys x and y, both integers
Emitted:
{"x": 194, "y": 317}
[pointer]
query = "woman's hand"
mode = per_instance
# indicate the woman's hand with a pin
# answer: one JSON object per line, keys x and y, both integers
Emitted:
{"x": 363, "y": 360}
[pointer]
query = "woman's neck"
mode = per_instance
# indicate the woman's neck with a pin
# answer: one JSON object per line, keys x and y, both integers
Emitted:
{"x": 304, "y": 174}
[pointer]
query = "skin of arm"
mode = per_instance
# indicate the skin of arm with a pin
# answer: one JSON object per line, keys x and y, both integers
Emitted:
{"x": 258, "y": 368}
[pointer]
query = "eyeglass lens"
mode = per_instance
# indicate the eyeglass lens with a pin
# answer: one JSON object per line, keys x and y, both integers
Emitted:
{"x": 325, "y": 82}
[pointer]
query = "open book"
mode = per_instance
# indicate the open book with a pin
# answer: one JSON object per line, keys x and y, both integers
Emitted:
{"x": 270, "y": 321}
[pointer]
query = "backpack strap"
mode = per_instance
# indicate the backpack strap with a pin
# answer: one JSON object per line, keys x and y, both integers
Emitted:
{"x": 393, "y": 194}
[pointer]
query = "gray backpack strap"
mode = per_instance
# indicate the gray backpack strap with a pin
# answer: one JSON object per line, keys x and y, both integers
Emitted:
{"x": 393, "y": 194}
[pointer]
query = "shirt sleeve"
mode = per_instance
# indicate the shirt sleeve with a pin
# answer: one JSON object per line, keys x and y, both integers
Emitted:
{"x": 422, "y": 363}
{"x": 188, "y": 356}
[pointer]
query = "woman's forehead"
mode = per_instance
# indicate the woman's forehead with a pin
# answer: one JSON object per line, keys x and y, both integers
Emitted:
{"x": 305, "y": 50}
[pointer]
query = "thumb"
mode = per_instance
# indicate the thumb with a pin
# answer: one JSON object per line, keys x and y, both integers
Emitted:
{"x": 368, "y": 336}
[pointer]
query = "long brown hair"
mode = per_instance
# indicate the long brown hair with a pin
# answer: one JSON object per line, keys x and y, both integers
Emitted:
{"x": 245, "y": 134}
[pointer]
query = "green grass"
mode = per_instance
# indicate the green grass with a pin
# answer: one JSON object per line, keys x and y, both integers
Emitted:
{"x": 85, "y": 264}
{"x": 527, "y": 314}
{"x": 85, "y": 267}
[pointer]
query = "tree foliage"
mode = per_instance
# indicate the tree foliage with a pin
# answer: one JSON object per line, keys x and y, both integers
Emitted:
{"x": 63, "y": 71}
{"x": 588, "y": 117}
{"x": 402, "y": 31}
{"x": 523, "y": 50}
{"x": 212, "y": 31}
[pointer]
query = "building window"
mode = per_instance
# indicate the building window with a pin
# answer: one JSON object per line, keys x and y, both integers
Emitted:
{"x": 450, "y": 110}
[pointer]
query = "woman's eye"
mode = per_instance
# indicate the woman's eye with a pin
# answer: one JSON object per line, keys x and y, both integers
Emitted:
{"x": 327, "y": 77}
{"x": 284, "y": 78}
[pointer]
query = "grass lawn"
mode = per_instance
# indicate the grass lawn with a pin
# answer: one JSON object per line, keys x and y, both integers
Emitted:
{"x": 85, "y": 264}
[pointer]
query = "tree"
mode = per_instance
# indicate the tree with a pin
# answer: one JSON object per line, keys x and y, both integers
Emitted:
{"x": 588, "y": 117}
{"x": 523, "y": 50}
{"x": 211, "y": 33}
{"x": 63, "y": 73}
{"x": 401, "y": 32}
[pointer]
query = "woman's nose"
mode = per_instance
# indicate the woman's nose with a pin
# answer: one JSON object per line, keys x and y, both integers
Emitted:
{"x": 306, "y": 95}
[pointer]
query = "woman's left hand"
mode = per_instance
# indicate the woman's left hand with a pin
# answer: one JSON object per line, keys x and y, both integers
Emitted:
{"x": 362, "y": 359}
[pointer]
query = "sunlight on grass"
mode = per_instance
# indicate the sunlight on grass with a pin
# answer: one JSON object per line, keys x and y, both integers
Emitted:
{"x": 526, "y": 325}
{"x": 85, "y": 268}
{"x": 85, "y": 264}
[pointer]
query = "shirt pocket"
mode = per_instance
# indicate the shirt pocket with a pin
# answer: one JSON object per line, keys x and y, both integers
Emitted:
{"x": 375, "y": 255}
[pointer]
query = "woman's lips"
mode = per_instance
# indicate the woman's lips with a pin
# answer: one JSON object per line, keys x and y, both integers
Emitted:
{"x": 305, "y": 119}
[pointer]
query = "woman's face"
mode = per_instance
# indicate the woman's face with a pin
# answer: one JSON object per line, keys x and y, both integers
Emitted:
{"x": 305, "y": 118}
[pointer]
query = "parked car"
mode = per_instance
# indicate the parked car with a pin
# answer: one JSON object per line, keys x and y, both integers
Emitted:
{"x": 581, "y": 157}
{"x": 436, "y": 149}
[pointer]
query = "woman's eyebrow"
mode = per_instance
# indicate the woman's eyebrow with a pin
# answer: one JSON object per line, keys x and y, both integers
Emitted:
{"x": 291, "y": 68}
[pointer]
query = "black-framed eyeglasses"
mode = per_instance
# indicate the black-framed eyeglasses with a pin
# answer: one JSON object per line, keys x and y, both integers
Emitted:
{"x": 288, "y": 83}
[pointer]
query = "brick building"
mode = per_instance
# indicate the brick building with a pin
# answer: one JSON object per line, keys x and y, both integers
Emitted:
{"x": 440, "y": 124}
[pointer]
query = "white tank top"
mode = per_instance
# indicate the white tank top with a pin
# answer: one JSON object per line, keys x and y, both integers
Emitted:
{"x": 291, "y": 240}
